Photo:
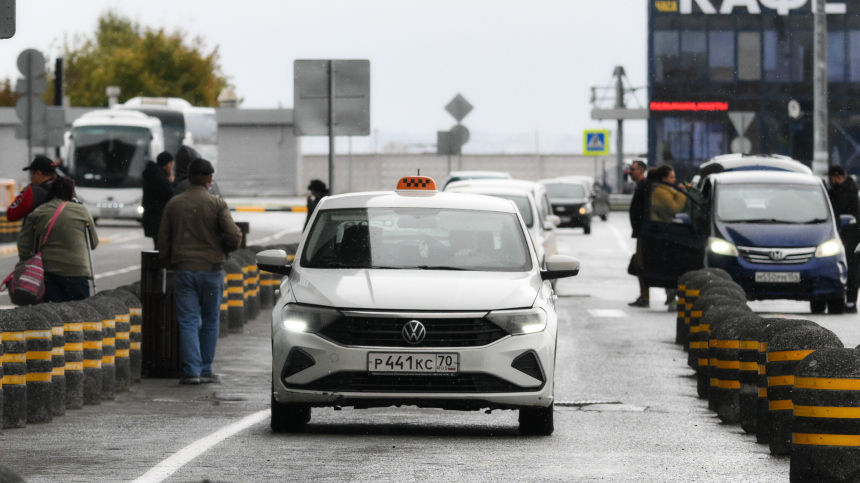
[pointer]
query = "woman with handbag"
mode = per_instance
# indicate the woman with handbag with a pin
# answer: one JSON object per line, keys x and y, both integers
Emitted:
{"x": 58, "y": 230}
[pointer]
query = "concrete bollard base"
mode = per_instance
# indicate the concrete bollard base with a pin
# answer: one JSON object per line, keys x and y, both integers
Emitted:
{"x": 108, "y": 382}
{"x": 74, "y": 389}
{"x": 92, "y": 390}
{"x": 39, "y": 397}
{"x": 14, "y": 406}
{"x": 58, "y": 396}
{"x": 818, "y": 464}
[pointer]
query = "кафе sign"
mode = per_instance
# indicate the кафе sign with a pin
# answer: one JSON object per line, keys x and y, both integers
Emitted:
{"x": 753, "y": 7}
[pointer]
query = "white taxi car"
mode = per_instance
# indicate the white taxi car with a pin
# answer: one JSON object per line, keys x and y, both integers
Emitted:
{"x": 414, "y": 297}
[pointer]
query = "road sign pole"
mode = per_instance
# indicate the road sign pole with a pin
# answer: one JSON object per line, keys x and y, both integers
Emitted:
{"x": 29, "y": 108}
{"x": 820, "y": 150}
{"x": 459, "y": 152}
{"x": 619, "y": 141}
{"x": 331, "y": 126}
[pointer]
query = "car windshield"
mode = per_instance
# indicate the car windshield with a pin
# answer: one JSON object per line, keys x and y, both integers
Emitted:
{"x": 565, "y": 190}
{"x": 523, "y": 205}
{"x": 418, "y": 239}
{"x": 110, "y": 156}
{"x": 768, "y": 203}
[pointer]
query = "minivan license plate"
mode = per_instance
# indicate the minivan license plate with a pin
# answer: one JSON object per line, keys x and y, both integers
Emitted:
{"x": 422, "y": 363}
{"x": 777, "y": 277}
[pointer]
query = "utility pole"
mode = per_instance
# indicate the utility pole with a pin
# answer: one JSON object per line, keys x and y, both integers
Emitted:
{"x": 619, "y": 137}
{"x": 820, "y": 157}
{"x": 331, "y": 127}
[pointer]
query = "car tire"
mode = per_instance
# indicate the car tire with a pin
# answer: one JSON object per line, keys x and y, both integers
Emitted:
{"x": 289, "y": 418}
{"x": 817, "y": 306}
{"x": 537, "y": 421}
{"x": 587, "y": 229}
{"x": 604, "y": 216}
{"x": 836, "y": 306}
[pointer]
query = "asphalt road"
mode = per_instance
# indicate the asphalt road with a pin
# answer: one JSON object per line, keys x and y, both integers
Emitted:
{"x": 626, "y": 405}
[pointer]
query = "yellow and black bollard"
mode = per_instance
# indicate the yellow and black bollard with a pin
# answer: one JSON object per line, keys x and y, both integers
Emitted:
{"x": 224, "y": 315}
{"x": 235, "y": 295}
{"x": 93, "y": 338}
{"x": 39, "y": 365}
{"x": 713, "y": 316}
{"x": 58, "y": 357}
{"x": 725, "y": 390}
{"x": 73, "y": 351}
{"x": 748, "y": 340}
{"x": 14, "y": 369}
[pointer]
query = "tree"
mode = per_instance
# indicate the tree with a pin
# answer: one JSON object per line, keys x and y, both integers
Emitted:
{"x": 142, "y": 62}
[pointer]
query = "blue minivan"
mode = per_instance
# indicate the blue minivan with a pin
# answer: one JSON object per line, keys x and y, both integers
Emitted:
{"x": 773, "y": 231}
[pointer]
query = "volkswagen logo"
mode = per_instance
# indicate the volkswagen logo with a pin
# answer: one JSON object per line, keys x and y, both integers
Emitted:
{"x": 413, "y": 332}
{"x": 777, "y": 255}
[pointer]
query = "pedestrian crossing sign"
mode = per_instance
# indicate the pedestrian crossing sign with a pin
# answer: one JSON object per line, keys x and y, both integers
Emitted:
{"x": 595, "y": 142}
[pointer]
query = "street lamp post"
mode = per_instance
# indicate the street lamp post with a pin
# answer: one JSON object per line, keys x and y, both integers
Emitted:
{"x": 820, "y": 158}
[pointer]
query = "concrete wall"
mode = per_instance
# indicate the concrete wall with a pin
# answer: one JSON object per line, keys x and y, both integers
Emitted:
{"x": 372, "y": 172}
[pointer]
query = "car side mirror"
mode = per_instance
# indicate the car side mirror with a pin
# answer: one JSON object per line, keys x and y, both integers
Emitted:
{"x": 845, "y": 220}
{"x": 554, "y": 219}
{"x": 682, "y": 219}
{"x": 560, "y": 266}
{"x": 274, "y": 261}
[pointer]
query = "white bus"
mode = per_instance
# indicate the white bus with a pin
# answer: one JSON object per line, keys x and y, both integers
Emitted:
{"x": 106, "y": 153}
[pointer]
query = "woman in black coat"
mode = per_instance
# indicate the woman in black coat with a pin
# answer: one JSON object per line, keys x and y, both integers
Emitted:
{"x": 157, "y": 191}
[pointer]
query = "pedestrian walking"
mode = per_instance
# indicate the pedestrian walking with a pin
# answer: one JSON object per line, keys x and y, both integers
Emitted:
{"x": 638, "y": 208}
{"x": 43, "y": 172}
{"x": 185, "y": 155}
{"x": 318, "y": 191}
{"x": 196, "y": 236}
{"x": 157, "y": 191}
{"x": 65, "y": 254}
{"x": 843, "y": 195}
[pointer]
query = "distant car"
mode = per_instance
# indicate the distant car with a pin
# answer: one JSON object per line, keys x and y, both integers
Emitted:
{"x": 414, "y": 297}
{"x": 569, "y": 203}
{"x": 546, "y": 221}
{"x": 455, "y": 176}
{"x": 774, "y": 232}
{"x": 748, "y": 162}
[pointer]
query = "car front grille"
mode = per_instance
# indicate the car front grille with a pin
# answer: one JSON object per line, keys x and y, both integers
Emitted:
{"x": 777, "y": 256}
{"x": 474, "y": 383}
{"x": 387, "y": 332}
{"x": 567, "y": 210}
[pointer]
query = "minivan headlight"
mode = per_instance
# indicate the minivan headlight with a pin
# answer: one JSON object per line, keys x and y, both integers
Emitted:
{"x": 829, "y": 248}
{"x": 304, "y": 318}
{"x": 722, "y": 247}
{"x": 517, "y": 322}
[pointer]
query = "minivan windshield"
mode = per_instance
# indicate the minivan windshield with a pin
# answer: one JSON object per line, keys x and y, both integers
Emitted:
{"x": 417, "y": 239}
{"x": 770, "y": 203}
{"x": 565, "y": 190}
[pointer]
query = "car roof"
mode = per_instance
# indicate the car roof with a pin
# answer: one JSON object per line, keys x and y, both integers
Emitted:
{"x": 418, "y": 199}
{"x": 765, "y": 177}
{"x": 499, "y": 174}
{"x": 492, "y": 190}
{"x": 522, "y": 184}
{"x": 731, "y": 162}
{"x": 568, "y": 180}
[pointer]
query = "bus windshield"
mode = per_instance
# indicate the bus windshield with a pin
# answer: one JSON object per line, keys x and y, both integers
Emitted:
{"x": 110, "y": 156}
{"x": 173, "y": 124}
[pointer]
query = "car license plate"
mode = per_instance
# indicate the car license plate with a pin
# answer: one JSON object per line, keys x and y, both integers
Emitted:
{"x": 777, "y": 277}
{"x": 422, "y": 363}
{"x": 565, "y": 219}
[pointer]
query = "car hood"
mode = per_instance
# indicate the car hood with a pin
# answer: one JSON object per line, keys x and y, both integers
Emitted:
{"x": 782, "y": 236}
{"x": 415, "y": 289}
{"x": 567, "y": 201}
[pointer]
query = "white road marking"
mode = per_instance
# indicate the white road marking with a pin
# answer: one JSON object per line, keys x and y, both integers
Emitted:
{"x": 118, "y": 272}
{"x": 182, "y": 457}
{"x": 279, "y": 234}
{"x": 621, "y": 242}
{"x": 607, "y": 313}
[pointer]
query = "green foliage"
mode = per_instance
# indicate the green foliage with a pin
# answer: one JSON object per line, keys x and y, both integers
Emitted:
{"x": 8, "y": 97}
{"x": 142, "y": 62}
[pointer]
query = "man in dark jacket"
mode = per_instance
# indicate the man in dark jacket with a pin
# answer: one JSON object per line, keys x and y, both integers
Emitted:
{"x": 185, "y": 155}
{"x": 157, "y": 191}
{"x": 844, "y": 198}
{"x": 638, "y": 207}
{"x": 318, "y": 191}
{"x": 43, "y": 172}
{"x": 196, "y": 236}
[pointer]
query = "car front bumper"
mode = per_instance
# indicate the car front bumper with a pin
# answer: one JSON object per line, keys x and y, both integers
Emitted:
{"x": 338, "y": 367}
{"x": 820, "y": 278}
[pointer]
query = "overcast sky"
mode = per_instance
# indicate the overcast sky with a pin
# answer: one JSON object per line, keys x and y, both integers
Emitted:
{"x": 526, "y": 66}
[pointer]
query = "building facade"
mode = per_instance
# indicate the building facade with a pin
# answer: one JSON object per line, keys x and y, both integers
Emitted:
{"x": 737, "y": 76}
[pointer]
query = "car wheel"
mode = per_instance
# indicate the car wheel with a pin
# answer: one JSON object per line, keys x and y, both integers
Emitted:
{"x": 587, "y": 229}
{"x": 537, "y": 421}
{"x": 604, "y": 216}
{"x": 289, "y": 418}
{"x": 836, "y": 306}
{"x": 817, "y": 306}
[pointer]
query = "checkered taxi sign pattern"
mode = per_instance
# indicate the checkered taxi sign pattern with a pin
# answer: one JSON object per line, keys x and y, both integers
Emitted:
{"x": 417, "y": 183}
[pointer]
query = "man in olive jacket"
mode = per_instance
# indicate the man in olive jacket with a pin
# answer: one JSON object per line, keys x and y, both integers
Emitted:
{"x": 196, "y": 236}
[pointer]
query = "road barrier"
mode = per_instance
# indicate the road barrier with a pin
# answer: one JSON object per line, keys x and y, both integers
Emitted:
{"x": 826, "y": 425}
{"x": 682, "y": 328}
{"x": 748, "y": 340}
{"x": 108, "y": 348}
{"x": 14, "y": 370}
{"x": 224, "y": 315}
{"x": 697, "y": 356}
{"x": 692, "y": 290}
{"x": 73, "y": 352}
{"x": 135, "y": 311}
{"x": 39, "y": 365}
{"x": 9, "y": 229}
{"x": 92, "y": 327}
{"x": 122, "y": 319}
{"x": 58, "y": 358}
{"x": 247, "y": 283}
{"x": 784, "y": 353}
{"x": 725, "y": 346}
{"x": 715, "y": 315}
{"x": 235, "y": 295}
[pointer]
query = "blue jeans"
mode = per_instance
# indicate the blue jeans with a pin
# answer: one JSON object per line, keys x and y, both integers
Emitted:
{"x": 65, "y": 289}
{"x": 198, "y": 306}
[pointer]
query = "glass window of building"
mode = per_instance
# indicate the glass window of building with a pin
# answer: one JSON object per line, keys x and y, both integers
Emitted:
{"x": 666, "y": 55}
{"x": 694, "y": 48}
{"x": 854, "y": 53}
{"x": 836, "y": 56}
{"x": 721, "y": 56}
{"x": 749, "y": 56}
{"x": 801, "y": 56}
{"x": 777, "y": 56}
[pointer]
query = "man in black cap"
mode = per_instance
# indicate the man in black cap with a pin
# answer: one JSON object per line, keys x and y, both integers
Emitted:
{"x": 43, "y": 172}
{"x": 157, "y": 191}
{"x": 318, "y": 191}
{"x": 196, "y": 236}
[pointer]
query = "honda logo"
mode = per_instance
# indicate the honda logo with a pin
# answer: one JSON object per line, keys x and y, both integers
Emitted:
{"x": 777, "y": 255}
{"x": 413, "y": 332}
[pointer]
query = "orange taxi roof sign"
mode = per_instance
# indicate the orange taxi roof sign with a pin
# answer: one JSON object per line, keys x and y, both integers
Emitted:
{"x": 416, "y": 183}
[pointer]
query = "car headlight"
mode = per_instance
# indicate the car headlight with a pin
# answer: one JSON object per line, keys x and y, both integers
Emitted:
{"x": 516, "y": 322}
{"x": 582, "y": 211}
{"x": 140, "y": 209}
{"x": 829, "y": 248}
{"x": 303, "y": 318}
{"x": 722, "y": 247}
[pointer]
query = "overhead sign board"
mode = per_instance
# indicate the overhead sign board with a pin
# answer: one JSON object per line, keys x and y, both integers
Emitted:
{"x": 689, "y": 106}
{"x": 751, "y": 7}
{"x": 351, "y": 97}
{"x": 595, "y": 142}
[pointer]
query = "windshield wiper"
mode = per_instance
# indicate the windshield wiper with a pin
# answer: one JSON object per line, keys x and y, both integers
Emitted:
{"x": 442, "y": 267}
{"x": 815, "y": 221}
{"x": 760, "y": 220}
